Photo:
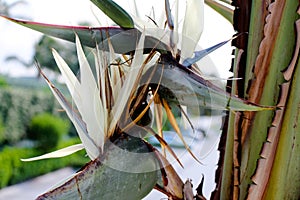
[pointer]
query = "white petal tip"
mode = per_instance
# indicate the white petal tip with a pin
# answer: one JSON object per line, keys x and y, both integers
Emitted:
{"x": 57, "y": 154}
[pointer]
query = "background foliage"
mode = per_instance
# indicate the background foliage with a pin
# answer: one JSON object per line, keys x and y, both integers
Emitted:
{"x": 13, "y": 170}
{"x": 47, "y": 130}
{"x": 18, "y": 106}
{"x": 31, "y": 110}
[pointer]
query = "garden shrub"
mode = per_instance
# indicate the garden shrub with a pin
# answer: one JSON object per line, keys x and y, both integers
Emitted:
{"x": 3, "y": 82}
{"x": 5, "y": 169}
{"x": 47, "y": 130}
{"x": 18, "y": 106}
{"x": 2, "y": 130}
{"x": 13, "y": 170}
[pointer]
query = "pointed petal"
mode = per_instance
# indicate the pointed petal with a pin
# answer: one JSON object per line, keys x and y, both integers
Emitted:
{"x": 133, "y": 74}
{"x": 57, "y": 154}
{"x": 192, "y": 27}
{"x": 169, "y": 15}
{"x": 136, "y": 11}
{"x": 89, "y": 104}
{"x": 200, "y": 54}
{"x": 175, "y": 126}
{"x": 115, "y": 74}
{"x": 91, "y": 148}
{"x": 101, "y": 66}
{"x": 69, "y": 78}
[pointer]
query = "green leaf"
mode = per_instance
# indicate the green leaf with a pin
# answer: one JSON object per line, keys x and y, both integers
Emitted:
{"x": 221, "y": 8}
{"x": 193, "y": 90}
{"x": 123, "y": 41}
{"x": 288, "y": 149}
{"x": 89, "y": 36}
{"x": 115, "y": 13}
{"x": 128, "y": 170}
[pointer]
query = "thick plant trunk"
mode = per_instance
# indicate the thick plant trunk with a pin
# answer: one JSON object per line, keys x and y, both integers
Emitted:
{"x": 259, "y": 149}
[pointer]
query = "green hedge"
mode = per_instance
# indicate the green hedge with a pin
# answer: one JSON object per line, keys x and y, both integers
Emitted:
{"x": 47, "y": 130}
{"x": 13, "y": 170}
{"x": 2, "y": 131}
{"x": 3, "y": 82}
{"x": 18, "y": 106}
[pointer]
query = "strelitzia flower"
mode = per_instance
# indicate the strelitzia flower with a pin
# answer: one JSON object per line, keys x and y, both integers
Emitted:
{"x": 100, "y": 101}
{"x": 103, "y": 112}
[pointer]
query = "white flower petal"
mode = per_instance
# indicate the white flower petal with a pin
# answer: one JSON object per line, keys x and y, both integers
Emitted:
{"x": 91, "y": 149}
{"x": 152, "y": 61}
{"x": 141, "y": 24}
{"x": 71, "y": 81}
{"x": 69, "y": 77}
{"x": 176, "y": 26}
{"x": 192, "y": 27}
{"x": 130, "y": 80}
{"x": 100, "y": 63}
{"x": 59, "y": 153}
{"x": 89, "y": 106}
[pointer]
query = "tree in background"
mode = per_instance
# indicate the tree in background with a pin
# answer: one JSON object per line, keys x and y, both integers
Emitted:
{"x": 42, "y": 50}
{"x": 5, "y": 8}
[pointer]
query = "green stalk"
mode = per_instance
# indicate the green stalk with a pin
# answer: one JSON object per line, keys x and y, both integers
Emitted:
{"x": 284, "y": 182}
{"x": 285, "y": 178}
{"x": 282, "y": 53}
{"x": 269, "y": 164}
{"x": 256, "y": 34}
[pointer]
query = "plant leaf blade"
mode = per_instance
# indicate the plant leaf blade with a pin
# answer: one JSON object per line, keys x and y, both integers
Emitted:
{"x": 222, "y": 8}
{"x": 89, "y": 36}
{"x": 105, "y": 177}
{"x": 193, "y": 90}
{"x": 115, "y": 12}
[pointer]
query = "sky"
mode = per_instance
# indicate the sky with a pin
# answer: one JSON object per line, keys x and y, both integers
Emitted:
{"x": 17, "y": 40}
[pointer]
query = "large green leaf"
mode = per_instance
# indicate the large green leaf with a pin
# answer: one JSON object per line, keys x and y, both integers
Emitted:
{"x": 127, "y": 170}
{"x": 122, "y": 40}
{"x": 181, "y": 85}
{"x": 261, "y": 147}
